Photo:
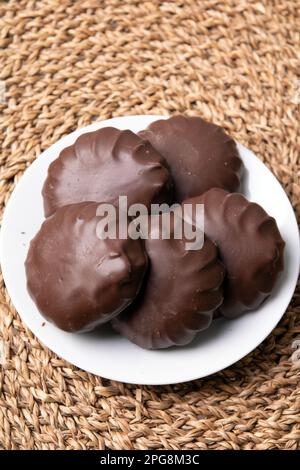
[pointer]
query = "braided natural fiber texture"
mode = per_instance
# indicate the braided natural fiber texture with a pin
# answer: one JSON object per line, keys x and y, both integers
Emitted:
{"x": 64, "y": 64}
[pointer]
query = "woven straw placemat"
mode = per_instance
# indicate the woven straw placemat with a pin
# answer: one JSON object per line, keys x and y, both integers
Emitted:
{"x": 64, "y": 64}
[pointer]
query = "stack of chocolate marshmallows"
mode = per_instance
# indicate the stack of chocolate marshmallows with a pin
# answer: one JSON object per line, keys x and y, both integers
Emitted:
{"x": 152, "y": 289}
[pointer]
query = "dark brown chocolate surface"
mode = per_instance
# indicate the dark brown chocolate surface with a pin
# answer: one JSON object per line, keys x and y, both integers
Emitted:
{"x": 180, "y": 295}
{"x": 77, "y": 280}
{"x": 250, "y": 247}
{"x": 101, "y": 166}
{"x": 200, "y": 154}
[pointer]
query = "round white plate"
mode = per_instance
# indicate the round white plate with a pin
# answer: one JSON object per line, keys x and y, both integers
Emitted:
{"x": 111, "y": 356}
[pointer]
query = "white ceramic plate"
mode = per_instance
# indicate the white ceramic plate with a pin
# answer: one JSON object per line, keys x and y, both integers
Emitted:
{"x": 111, "y": 356}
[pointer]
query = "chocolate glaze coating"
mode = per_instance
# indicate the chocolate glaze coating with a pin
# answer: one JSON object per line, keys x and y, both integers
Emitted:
{"x": 101, "y": 166}
{"x": 200, "y": 154}
{"x": 180, "y": 295}
{"x": 250, "y": 247}
{"x": 77, "y": 280}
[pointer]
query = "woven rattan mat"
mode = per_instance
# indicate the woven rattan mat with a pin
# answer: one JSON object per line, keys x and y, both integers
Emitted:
{"x": 65, "y": 64}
